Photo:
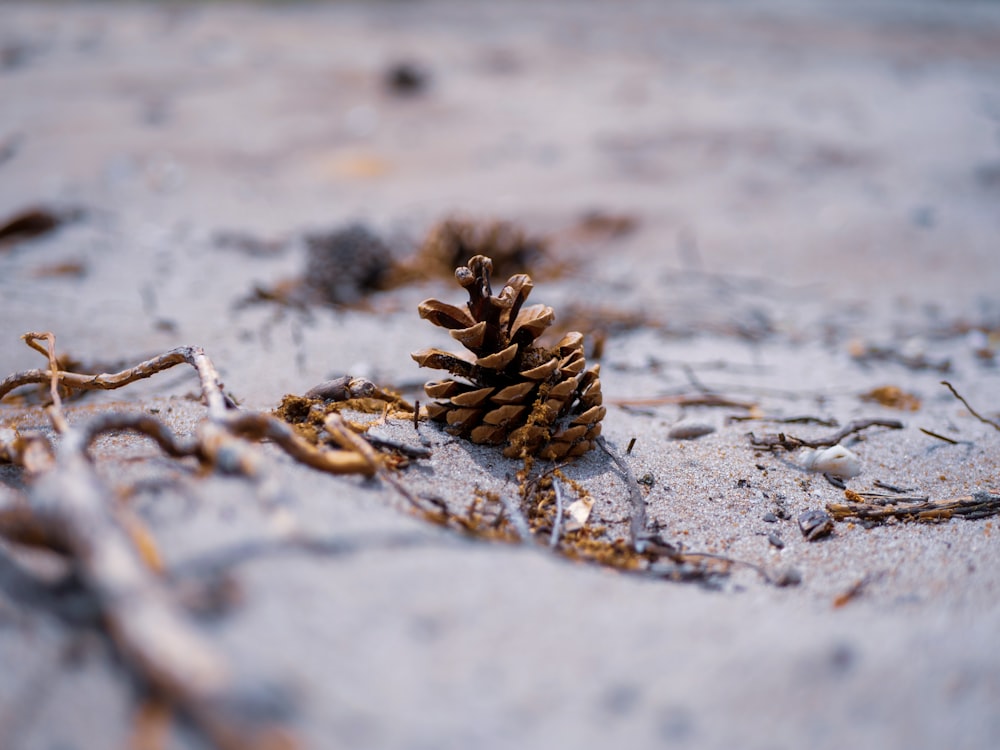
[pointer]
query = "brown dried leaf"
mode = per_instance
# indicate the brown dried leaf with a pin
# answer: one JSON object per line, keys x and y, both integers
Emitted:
{"x": 893, "y": 397}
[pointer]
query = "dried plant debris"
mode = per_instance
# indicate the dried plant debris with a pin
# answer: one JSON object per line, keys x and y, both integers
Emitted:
{"x": 882, "y": 509}
{"x": 34, "y": 222}
{"x": 309, "y": 415}
{"x": 453, "y": 241}
{"x": 893, "y": 397}
{"x": 554, "y": 511}
{"x": 512, "y": 392}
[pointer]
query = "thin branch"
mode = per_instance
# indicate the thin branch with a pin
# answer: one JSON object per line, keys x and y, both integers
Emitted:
{"x": 265, "y": 427}
{"x": 972, "y": 411}
{"x": 211, "y": 385}
{"x": 410, "y": 451}
{"x": 786, "y": 420}
{"x": 56, "y": 414}
{"x": 939, "y": 437}
{"x": 557, "y": 524}
{"x": 638, "y": 524}
{"x": 791, "y": 443}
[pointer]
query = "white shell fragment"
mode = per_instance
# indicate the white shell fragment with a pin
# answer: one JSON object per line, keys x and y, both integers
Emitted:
{"x": 579, "y": 512}
{"x": 689, "y": 429}
{"x": 835, "y": 460}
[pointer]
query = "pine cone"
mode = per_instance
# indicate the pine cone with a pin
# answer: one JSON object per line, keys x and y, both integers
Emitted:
{"x": 538, "y": 401}
{"x": 345, "y": 265}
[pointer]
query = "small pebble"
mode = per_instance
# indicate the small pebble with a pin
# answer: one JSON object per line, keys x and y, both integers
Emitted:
{"x": 690, "y": 429}
{"x": 815, "y": 524}
{"x": 769, "y": 517}
{"x": 775, "y": 541}
{"x": 788, "y": 577}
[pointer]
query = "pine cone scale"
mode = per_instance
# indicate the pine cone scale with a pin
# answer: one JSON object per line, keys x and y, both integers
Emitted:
{"x": 499, "y": 360}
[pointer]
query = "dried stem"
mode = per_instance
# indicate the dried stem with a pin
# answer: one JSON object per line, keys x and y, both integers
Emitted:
{"x": 637, "y": 527}
{"x": 55, "y": 411}
{"x": 976, "y": 505}
{"x": 791, "y": 443}
{"x": 938, "y": 436}
{"x": 211, "y": 385}
{"x": 557, "y": 524}
{"x": 972, "y": 411}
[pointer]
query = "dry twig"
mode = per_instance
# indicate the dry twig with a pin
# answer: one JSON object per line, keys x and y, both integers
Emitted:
{"x": 976, "y": 505}
{"x": 557, "y": 524}
{"x": 637, "y": 526}
{"x": 68, "y": 510}
{"x": 972, "y": 411}
{"x": 790, "y": 442}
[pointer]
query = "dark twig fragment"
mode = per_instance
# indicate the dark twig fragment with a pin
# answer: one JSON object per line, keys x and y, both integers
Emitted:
{"x": 785, "y": 420}
{"x": 791, "y": 443}
{"x": 973, "y": 412}
{"x": 939, "y": 437}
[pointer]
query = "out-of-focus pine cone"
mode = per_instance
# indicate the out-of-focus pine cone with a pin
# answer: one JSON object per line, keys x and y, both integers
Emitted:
{"x": 344, "y": 265}
{"x": 535, "y": 400}
{"x": 510, "y": 248}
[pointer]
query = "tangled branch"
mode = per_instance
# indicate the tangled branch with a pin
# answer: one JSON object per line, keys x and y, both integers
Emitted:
{"x": 68, "y": 510}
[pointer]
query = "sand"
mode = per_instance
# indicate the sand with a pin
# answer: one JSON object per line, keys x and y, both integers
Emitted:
{"x": 806, "y": 182}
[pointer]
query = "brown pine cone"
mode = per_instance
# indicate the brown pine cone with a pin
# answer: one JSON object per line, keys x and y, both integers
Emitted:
{"x": 538, "y": 401}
